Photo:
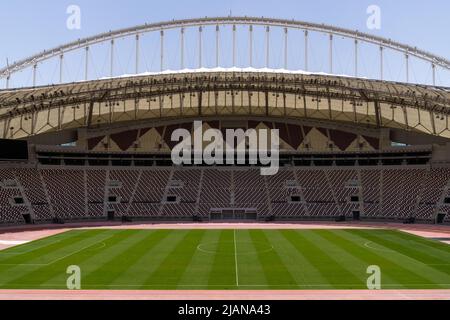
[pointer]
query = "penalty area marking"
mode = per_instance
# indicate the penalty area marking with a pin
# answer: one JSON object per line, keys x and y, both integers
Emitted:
{"x": 28, "y": 251}
{"x": 102, "y": 245}
{"x": 369, "y": 243}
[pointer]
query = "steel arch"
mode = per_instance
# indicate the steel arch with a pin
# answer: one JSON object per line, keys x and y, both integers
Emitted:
{"x": 184, "y": 23}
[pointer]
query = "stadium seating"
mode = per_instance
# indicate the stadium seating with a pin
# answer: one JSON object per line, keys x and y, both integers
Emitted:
{"x": 33, "y": 184}
{"x": 371, "y": 191}
{"x": 96, "y": 191}
{"x": 72, "y": 194}
{"x": 67, "y": 192}
{"x": 9, "y": 189}
{"x": 149, "y": 191}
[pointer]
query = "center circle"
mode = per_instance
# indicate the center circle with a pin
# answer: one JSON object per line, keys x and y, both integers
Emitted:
{"x": 232, "y": 248}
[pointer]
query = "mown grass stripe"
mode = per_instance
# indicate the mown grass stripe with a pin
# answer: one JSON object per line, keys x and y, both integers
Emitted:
{"x": 222, "y": 271}
{"x": 136, "y": 273}
{"x": 171, "y": 269}
{"x": 274, "y": 269}
{"x": 131, "y": 252}
{"x": 39, "y": 259}
{"x": 417, "y": 274}
{"x": 171, "y": 259}
{"x": 198, "y": 270}
{"x": 305, "y": 274}
{"x": 28, "y": 253}
{"x": 331, "y": 270}
{"x": 37, "y": 276}
{"x": 251, "y": 272}
{"x": 100, "y": 265}
{"x": 366, "y": 257}
{"x": 414, "y": 251}
{"x": 433, "y": 246}
{"x": 34, "y": 245}
{"x": 341, "y": 256}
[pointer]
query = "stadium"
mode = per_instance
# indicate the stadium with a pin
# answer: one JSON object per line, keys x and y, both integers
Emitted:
{"x": 87, "y": 177}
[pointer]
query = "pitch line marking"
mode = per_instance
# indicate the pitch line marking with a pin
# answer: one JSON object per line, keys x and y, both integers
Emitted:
{"x": 28, "y": 251}
{"x": 368, "y": 245}
{"x": 82, "y": 249}
{"x": 235, "y": 258}
{"x": 201, "y": 246}
{"x": 57, "y": 259}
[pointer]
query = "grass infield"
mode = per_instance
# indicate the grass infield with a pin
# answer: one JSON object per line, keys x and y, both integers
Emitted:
{"x": 227, "y": 260}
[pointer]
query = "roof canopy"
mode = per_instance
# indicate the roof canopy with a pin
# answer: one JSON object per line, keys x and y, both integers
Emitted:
{"x": 194, "y": 93}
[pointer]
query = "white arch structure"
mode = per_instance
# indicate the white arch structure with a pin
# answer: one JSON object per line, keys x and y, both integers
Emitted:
{"x": 201, "y": 23}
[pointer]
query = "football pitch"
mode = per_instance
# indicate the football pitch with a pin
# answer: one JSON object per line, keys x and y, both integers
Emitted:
{"x": 227, "y": 260}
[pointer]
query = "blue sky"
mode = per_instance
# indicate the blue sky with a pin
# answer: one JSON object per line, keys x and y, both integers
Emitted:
{"x": 27, "y": 27}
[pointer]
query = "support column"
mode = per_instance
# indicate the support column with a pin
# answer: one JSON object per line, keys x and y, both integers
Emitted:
{"x": 217, "y": 46}
{"x": 407, "y": 66}
{"x": 182, "y": 48}
{"x": 61, "y": 61}
{"x": 356, "y": 58}
{"x": 112, "y": 59}
{"x": 234, "y": 45}
{"x": 306, "y": 50}
{"x": 381, "y": 64}
{"x": 331, "y": 54}
{"x": 377, "y": 113}
{"x": 8, "y": 78}
{"x": 200, "y": 31}
{"x": 137, "y": 53}
{"x": 433, "y": 123}
{"x": 34, "y": 74}
{"x": 285, "y": 48}
{"x": 433, "y": 67}
{"x": 86, "y": 64}
{"x": 162, "y": 51}
{"x": 267, "y": 46}
{"x": 251, "y": 45}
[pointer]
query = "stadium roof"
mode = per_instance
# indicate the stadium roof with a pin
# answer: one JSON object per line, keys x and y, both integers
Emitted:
{"x": 225, "y": 92}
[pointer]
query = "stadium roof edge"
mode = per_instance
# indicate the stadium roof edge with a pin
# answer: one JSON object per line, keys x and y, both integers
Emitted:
{"x": 358, "y": 101}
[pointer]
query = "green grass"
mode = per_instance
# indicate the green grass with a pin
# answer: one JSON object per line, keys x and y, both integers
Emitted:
{"x": 227, "y": 259}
